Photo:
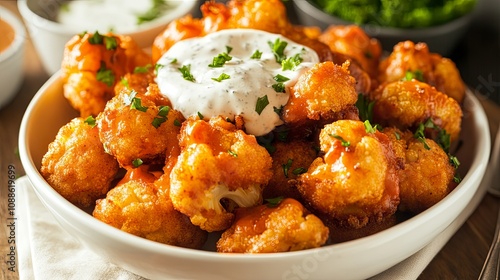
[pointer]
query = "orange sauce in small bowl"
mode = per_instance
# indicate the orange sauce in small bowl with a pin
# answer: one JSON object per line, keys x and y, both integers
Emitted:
{"x": 7, "y": 35}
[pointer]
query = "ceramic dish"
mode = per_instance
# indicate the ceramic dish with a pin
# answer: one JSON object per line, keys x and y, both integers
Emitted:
{"x": 357, "y": 259}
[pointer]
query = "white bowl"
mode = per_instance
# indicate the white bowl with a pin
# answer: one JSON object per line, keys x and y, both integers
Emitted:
{"x": 12, "y": 58}
{"x": 49, "y": 36}
{"x": 441, "y": 39}
{"x": 357, "y": 259}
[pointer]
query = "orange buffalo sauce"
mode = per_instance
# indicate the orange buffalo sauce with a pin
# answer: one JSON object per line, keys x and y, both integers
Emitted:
{"x": 7, "y": 35}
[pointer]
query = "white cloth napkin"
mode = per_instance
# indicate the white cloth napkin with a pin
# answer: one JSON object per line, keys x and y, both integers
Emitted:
{"x": 47, "y": 251}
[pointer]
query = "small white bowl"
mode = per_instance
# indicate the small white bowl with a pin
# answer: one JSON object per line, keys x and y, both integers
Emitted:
{"x": 358, "y": 259}
{"x": 11, "y": 58}
{"x": 49, "y": 36}
{"x": 441, "y": 39}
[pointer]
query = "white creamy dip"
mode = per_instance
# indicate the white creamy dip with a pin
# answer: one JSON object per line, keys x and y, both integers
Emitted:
{"x": 108, "y": 15}
{"x": 241, "y": 84}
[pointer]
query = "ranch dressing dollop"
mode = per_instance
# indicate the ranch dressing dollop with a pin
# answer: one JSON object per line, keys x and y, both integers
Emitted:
{"x": 234, "y": 72}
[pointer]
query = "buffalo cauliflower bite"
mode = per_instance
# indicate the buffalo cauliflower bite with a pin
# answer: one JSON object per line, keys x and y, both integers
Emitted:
{"x": 322, "y": 94}
{"x": 414, "y": 61}
{"x": 406, "y": 104}
{"x": 427, "y": 176}
{"x": 218, "y": 165}
{"x": 92, "y": 64}
{"x": 136, "y": 126}
{"x": 134, "y": 206}
{"x": 76, "y": 165}
{"x": 271, "y": 228}
{"x": 355, "y": 182}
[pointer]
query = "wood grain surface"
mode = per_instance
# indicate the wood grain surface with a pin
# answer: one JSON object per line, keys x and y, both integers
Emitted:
{"x": 461, "y": 258}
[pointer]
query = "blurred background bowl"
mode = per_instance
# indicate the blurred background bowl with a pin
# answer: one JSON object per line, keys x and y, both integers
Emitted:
{"x": 441, "y": 38}
{"x": 50, "y": 36}
{"x": 13, "y": 38}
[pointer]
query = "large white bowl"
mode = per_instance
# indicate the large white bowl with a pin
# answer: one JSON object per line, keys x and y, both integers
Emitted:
{"x": 49, "y": 36}
{"x": 12, "y": 58}
{"x": 358, "y": 259}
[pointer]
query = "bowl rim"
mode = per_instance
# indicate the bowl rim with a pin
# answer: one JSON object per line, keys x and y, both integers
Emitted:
{"x": 20, "y": 37}
{"x": 475, "y": 173}
{"x": 310, "y": 9}
{"x": 184, "y": 7}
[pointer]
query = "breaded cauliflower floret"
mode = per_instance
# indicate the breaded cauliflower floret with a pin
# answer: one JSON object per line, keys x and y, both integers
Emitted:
{"x": 136, "y": 126}
{"x": 406, "y": 104}
{"x": 93, "y": 63}
{"x": 135, "y": 207}
{"x": 427, "y": 176}
{"x": 272, "y": 228}
{"x": 76, "y": 165}
{"x": 218, "y": 165}
{"x": 355, "y": 182}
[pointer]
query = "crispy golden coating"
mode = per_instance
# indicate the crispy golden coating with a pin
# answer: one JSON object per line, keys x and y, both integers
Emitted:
{"x": 355, "y": 182}
{"x": 266, "y": 15}
{"x": 76, "y": 165}
{"x": 290, "y": 159}
{"x": 139, "y": 126}
{"x": 134, "y": 207}
{"x": 92, "y": 64}
{"x": 406, "y": 104}
{"x": 322, "y": 94}
{"x": 217, "y": 162}
{"x": 137, "y": 80}
{"x": 269, "y": 229}
{"x": 353, "y": 41}
{"x": 427, "y": 176}
{"x": 433, "y": 68}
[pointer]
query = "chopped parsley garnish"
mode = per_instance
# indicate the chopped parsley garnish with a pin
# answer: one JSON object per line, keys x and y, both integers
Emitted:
{"x": 162, "y": 116}
{"x": 105, "y": 75}
{"x": 173, "y": 61}
{"x": 228, "y": 49}
{"x": 110, "y": 43}
{"x": 286, "y": 166}
{"x": 137, "y": 105}
{"x": 177, "y": 122}
{"x": 420, "y": 135}
{"x": 397, "y": 135}
{"x": 369, "y": 128}
{"x": 273, "y": 202}
{"x": 159, "y": 6}
{"x": 137, "y": 162}
{"x": 277, "y": 110}
{"x": 278, "y": 49}
{"x": 157, "y": 68}
{"x": 291, "y": 63}
{"x": 232, "y": 153}
{"x": 262, "y": 102}
{"x": 96, "y": 39}
{"x": 142, "y": 69}
{"x": 299, "y": 170}
{"x": 342, "y": 140}
{"x": 256, "y": 54}
{"x": 220, "y": 60}
{"x": 266, "y": 142}
{"x": 417, "y": 75}
{"x": 90, "y": 120}
{"x": 365, "y": 107}
{"x": 222, "y": 76}
{"x": 186, "y": 73}
{"x": 280, "y": 85}
{"x": 200, "y": 116}
{"x": 124, "y": 82}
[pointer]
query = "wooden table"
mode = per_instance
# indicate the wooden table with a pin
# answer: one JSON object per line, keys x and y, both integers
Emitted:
{"x": 461, "y": 258}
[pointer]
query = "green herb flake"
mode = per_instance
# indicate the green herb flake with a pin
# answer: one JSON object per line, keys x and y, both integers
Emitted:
{"x": 273, "y": 202}
{"x": 280, "y": 85}
{"x": 186, "y": 73}
{"x": 420, "y": 136}
{"x": 228, "y": 49}
{"x": 142, "y": 69}
{"x": 278, "y": 49}
{"x": 157, "y": 68}
{"x": 124, "y": 82}
{"x": 105, "y": 75}
{"x": 90, "y": 120}
{"x": 110, "y": 43}
{"x": 256, "y": 54}
{"x": 417, "y": 75}
{"x": 200, "y": 116}
{"x": 232, "y": 153}
{"x": 369, "y": 128}
{"x": 96, "y": 39}
{"x": 222, "y": 76}
{"x": 291, "y": 63}
{"x": 220, "y": 60}
{"x": 286, "y": 166}
{"x": 262, "y": 103}
{"x": 156, "y": 10}
{"x": 299, "y": 170}
{"x": 177, "y": 122}
{"x": 342, "y": 140}
{"x": 137, "y": 162}
{"x": 277, "y": 110}
{"x": 365, "y": 107}
{"x": 137, "y": 105}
